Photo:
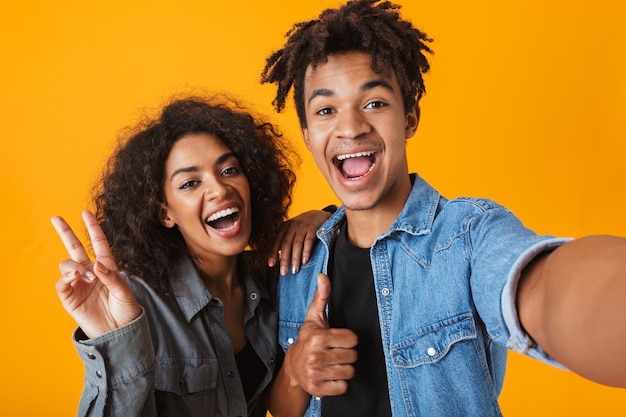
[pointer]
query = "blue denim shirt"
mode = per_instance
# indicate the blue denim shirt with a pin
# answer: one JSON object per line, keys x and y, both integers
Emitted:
{"x": 445, "y": 276}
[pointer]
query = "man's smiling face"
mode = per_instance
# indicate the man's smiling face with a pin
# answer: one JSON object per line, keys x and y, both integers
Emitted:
{"x": 356, "y": 131}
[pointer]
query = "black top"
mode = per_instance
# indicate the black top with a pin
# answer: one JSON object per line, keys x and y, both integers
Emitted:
{"x": 352, "y": 305}
{"x": 251, "y": 370}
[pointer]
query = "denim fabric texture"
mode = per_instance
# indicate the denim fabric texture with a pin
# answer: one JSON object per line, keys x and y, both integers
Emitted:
{"x": 445, "y": 276}
{"x": 176, "y": 359}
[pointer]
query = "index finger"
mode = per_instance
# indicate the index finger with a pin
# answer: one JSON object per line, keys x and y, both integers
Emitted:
{"x": 99, "y": 242}
{"x": 72, "y": 244}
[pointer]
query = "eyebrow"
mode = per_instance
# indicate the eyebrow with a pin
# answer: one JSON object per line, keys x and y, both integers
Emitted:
{"x": 218, "y": 161}
{"x": 325, "y": 92}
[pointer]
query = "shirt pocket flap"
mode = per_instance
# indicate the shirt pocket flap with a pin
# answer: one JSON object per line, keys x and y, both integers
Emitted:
{"x": 186, "y": 376}
{"x": 433, "y": 342}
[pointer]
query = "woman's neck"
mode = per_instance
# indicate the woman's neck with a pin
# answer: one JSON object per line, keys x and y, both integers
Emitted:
{"x": 219, "y": 275}
{"x": 222, "y": 281}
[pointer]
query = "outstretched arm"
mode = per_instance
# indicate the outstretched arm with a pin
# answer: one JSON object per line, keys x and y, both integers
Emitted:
{"x": 572, "y": 302}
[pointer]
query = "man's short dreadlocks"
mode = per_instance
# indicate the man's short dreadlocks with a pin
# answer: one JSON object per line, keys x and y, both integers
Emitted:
{"x": 369, "y": 26}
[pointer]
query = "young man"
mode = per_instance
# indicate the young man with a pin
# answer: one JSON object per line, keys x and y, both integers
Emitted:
{"x": 427, "y": 294}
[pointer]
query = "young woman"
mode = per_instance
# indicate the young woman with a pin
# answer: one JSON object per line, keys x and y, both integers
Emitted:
{"x": 175, "y": 314}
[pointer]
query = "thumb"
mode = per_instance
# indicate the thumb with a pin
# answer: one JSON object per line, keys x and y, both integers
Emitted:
{"x": 117, "y": 287}
{"x": 317, "y": 309}
{"x": 104, "y": 274}
{"x": 122, "y": 303}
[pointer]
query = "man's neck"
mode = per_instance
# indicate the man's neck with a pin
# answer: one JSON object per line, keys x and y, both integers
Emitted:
{"x": 364, "y": 226}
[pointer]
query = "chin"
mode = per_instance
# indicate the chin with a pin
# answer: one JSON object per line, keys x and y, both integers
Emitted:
{"x": 359, "y": 204}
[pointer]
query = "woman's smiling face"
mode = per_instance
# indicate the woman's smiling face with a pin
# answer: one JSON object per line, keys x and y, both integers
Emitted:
{"x": 207, "y": 196}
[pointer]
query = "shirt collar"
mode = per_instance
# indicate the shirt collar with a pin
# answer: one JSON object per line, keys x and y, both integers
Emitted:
{"x": 416, "y": 217}
{"x": 420, "y": 209}
{"x": 192, "y": 295}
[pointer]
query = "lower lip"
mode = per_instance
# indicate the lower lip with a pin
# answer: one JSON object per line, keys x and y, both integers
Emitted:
{"x": 354, "y": 182}
{"x": 227, "y": 233}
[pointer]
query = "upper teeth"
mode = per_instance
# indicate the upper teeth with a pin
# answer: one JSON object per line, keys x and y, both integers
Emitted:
{"x": 354, "y": 155}
{"x": 222, "y": 213}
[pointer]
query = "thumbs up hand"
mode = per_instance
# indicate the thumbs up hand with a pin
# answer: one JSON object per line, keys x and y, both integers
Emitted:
{"x": 316, "y": 315}
{"x": 320, "y": 361}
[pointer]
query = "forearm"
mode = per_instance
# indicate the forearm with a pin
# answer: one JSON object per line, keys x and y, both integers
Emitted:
{"x": 283, "y": 399}
{"x": 572, "y": 302}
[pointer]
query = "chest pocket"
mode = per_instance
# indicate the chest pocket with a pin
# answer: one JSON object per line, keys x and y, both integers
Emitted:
{"x": 432, "y": 343}
{"x": 186, "y": 375}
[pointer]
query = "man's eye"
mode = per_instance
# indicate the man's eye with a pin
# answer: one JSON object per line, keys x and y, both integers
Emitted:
{"x": 375, "y": 105}
{"x": 325, "y": 111}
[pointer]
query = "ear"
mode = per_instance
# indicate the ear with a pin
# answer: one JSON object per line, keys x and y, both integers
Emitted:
{"x": 412, "y": 120}
{"x": 305, "y": 136}
{"x": 165, "y": 218}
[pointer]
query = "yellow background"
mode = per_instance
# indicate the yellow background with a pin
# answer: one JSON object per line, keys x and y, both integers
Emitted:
{"x": 526, "y": 105}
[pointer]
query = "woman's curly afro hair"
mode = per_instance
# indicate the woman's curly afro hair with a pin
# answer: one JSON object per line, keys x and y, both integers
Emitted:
{"x": 128, "y": 198}
{"x": 369, "y": 26}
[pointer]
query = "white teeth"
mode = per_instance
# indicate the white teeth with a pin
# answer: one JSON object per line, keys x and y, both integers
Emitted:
{"x": 354, "y": 155}
{"x": 222, "y": 213}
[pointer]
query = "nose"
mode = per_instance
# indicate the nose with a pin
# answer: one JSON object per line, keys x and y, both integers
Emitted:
{"x": 216, "y": 190}
{"x": 351, "y": 124}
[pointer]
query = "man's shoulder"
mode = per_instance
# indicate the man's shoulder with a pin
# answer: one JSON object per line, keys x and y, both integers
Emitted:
{"x": 475, "y": 204}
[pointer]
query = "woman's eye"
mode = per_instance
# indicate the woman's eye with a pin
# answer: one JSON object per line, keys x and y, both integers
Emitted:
{"x": 188, "y": 184}
{"x": 230, "y": 171}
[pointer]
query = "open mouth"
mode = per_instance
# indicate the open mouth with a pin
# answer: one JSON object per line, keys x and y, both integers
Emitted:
{"x": 224, "y": 219}
{"x": 354, "y": 166}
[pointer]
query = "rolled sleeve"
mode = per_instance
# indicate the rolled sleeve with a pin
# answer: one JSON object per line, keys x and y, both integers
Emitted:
{"x": 519, "y": 340}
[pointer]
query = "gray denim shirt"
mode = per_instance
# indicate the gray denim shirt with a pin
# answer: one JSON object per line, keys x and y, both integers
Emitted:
{"x": 176, "y": 359}
{"x": 445, "y": 275}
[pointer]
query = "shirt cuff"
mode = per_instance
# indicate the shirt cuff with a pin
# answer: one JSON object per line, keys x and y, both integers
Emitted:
{"x": 117, "y": 356}
{"x": 519, "y": 341}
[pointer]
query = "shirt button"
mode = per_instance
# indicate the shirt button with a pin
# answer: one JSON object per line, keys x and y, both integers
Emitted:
{"x": 272, "y": 361}
{"x": 91, "y": 356}
{"x": 99, "y": 374}
{"x": 290, "y": 340}
{"x": 431, "y": 351}
{"x": 385, "y": 291}
{"x": 181, "y": 383}
{"x": 230, "y": 374}
{"x": 253, "y": 296}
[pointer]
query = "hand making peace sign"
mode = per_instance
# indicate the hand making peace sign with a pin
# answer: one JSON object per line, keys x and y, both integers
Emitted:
{"x": 93, "y": 293}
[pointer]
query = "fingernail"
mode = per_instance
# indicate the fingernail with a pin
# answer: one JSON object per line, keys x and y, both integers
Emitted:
{"x": 294, "y": 269}
{"x": 271, "y": 262}
{"x": 283, "y": 270}
{"x": 90, "y": 275}
{"x": 101, "y": 268}
{"x": 305, "y": 260}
